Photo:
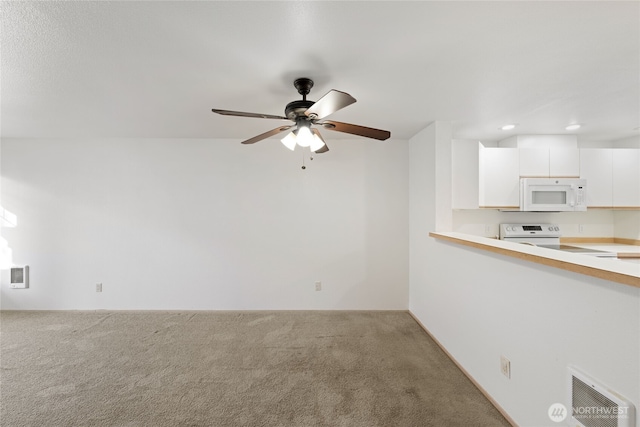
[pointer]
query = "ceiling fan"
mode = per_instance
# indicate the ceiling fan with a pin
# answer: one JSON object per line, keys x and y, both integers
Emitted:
{"x": 305, "y": 113}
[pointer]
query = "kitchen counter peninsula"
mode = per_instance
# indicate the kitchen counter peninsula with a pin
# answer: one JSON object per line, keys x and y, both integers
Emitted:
{"x": 606, "y": 269}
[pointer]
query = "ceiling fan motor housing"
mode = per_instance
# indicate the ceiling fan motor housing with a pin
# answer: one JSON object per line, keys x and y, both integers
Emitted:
{"x": 296, "y": 109}
{"x": 303, "y": 85}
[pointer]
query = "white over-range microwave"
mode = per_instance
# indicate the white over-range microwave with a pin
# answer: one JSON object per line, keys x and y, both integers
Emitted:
{"x": 553, "y": 194}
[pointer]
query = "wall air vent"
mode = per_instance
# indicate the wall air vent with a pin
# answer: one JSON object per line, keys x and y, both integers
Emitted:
{"x": 20, "y": 277}
{"x": 594, "y": 405}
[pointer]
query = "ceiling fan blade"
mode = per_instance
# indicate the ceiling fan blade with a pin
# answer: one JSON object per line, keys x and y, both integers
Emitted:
{"x": 356, "y": 130}
{"x": 266, "y": 134}
{"x": 243, "y": 114}
{"x": 331, "y": 102}
{"x": 324, "y": 148}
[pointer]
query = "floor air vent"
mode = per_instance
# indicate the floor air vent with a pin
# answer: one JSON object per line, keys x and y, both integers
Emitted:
{"x": 594, "y": 405}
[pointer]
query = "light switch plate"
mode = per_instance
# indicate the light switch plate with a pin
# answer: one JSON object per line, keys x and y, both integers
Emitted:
{"x": 505, "y": 367}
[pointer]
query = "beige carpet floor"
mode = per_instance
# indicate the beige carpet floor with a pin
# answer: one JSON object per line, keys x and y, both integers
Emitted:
{"x": 300, "y": 368}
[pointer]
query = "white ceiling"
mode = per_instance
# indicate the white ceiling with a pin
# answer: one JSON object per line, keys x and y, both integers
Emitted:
{"x": 155, "y": 69}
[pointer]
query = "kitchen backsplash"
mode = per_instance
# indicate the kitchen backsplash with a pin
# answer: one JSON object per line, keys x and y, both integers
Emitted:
{"x": 593, "y": 223}
{"x": 627, "y": 224}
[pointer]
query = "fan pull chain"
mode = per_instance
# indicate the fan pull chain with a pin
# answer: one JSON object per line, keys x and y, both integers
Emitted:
{"x": 304, "y": 155}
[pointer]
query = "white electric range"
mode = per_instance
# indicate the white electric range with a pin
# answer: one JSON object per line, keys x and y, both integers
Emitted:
{"x": 545, "y": 236}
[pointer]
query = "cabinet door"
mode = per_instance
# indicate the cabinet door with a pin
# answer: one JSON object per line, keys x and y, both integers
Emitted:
{"x": 596, "y": 166}
{"x": 626, "y": 177}
{"x": 534, "y": 162}
{"x": 500, "y": 178}
{"x": 564, "y": 162}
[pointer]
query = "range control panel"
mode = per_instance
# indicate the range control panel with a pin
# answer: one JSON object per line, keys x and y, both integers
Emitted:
{"x": 529, "y": 230}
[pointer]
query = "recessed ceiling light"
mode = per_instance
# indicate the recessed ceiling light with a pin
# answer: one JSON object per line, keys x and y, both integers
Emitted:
{"x": 507, "y": 127}
{"x": 573, "y": 127}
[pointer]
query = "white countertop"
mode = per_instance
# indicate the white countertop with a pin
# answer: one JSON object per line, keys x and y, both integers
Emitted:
{"x": 615, "y": 248}
{"x": 609, "y": 247}
{"x": 623, "y": 271}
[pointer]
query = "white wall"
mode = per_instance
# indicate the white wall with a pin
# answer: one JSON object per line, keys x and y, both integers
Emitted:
{"x": 481, "y": 305}
{"x": 627, "y": 224}
{"x": 540, "y": 318}
{"x": 631, "y": 142}
{"x": 206, "y": 224}
{"x": 422, "y": 212}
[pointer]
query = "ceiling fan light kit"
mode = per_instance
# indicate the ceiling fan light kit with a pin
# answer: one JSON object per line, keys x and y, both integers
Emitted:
{"x": 304, "y": 137}
{"x": 306, "y": 113}
{"x": 289, "y": 141}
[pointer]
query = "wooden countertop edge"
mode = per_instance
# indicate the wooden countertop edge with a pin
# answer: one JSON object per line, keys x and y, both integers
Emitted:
{"x": 608, "y": 208}
{"x": 628, "y": 254}
{"x": 589, "y": 240}
{"x": 576, "y": 268}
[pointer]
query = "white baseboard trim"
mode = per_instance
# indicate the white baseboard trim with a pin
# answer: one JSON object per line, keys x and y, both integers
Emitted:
{"x": 464, "y": 371}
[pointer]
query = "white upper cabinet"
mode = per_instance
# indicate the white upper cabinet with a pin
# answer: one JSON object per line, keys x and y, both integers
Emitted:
{"x": 596, "y": 166}
{"x": 499, "y": 177}
{"x": 549, "y": 162}
{"x": 613, "y": 177}
{"x": 534, "y": 162}
{"x": 626, "y": 178}
{"x": 564, "y": 162}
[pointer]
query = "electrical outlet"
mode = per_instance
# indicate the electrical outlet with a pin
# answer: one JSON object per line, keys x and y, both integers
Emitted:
{"x": 580, "y": 228}
{"x": 318, "y": 286}
{"x": 98, "y": 287}
{"x": 505, "y": 367}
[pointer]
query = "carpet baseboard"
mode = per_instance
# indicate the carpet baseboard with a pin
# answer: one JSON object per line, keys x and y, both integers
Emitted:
{"x": 464, "y": 371}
